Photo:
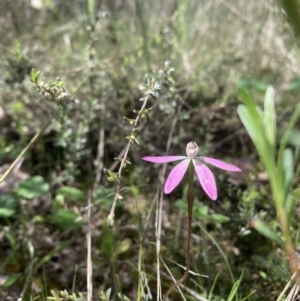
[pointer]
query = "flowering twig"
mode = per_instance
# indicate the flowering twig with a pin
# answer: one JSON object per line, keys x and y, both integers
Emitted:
{"x": 152, "y": 89}
{"x": 55, "y": 92}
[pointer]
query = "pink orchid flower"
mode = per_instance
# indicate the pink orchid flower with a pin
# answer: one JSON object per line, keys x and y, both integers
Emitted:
{"x": 205, "y": 176}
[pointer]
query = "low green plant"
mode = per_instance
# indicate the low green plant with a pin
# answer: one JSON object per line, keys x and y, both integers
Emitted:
{"x": 278, "y": 159}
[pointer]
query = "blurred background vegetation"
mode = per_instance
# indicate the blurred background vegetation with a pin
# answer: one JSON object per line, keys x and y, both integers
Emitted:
{"x": 201, "y": 52}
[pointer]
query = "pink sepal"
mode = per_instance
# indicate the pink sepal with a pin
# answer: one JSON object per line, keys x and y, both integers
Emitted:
{"x": 206, "y": 179}
{"x": 220, "y": 164}
{"x": 176, "y": 175}
{"x": 163, "y": 159}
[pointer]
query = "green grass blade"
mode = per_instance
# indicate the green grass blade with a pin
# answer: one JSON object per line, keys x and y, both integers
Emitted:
{"x": 266, "y": 231}
{"x": 235, "y": 288}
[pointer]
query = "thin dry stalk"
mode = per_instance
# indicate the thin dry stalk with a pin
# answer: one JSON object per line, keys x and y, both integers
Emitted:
{"x": 100, "y": 149}
{"x": 292, "y": 280}
{"x": 21, "y": 155}
{"x": 160, "y": 204}
{"x": 190, "y": 291}
{"x": 173, "y": 278}
{"x": 293, "y": 294}
{"x": 158, "y": 236}
{"x": 89, "y": 279}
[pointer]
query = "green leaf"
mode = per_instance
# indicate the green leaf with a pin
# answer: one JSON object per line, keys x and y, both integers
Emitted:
{"x": 111, "y": 176}
{"x": 11, "y": 280}
{"x": 103, "y": 296}
{"x": 252, "y": 118}
{"x": 34, "y": 75}
{"x": 294, "y": 138}
{"x": 55, "y": 295}
{"x": 8, "y": 205}
{"x": 201, "y": 211}
{"x": 249, "y": 102}
{"x": 59, "y": 82}
{"x": 235, "y": 287}
{"x": 142, "y": 87}
{"x": 287, "y": 134}
{"x": 266, "y": 231}
{"x": 107, "y": 293}
{"x": 71, "y": 193}
{"x": 182, "y": 205}
{"x": 123, "y": 297}
{"x": 270, "y": 116}
{"x": 287, "y": 169}
{"x": 290, "y": 205}
{"x": 252, "y": 126}
{"x": 219, "y": 218}
{"x": 32, "y": 187}
{"x": 128, "y": 120}
{"x": 67, "y": 218}
{"x": 122, "y": 247}
{"x": 4, "y": 212}
{"x": 296, "y": 193}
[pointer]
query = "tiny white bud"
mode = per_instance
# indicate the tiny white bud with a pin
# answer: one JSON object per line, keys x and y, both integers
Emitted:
{"x": 192, "y": 149}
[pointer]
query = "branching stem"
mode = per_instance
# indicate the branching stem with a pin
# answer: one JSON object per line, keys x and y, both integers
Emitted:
{"x": 123, "y": 161}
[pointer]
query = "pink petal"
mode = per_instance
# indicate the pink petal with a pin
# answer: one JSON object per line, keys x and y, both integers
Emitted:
{"x": 164, "y": 159}
{"x": 206, "y": 179}
{"x": 220, "y": 164}
{"x": 176, "y": 176}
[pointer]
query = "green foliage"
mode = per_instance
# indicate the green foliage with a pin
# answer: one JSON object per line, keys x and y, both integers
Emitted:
{"x": 261, "y": 127}
{"x": 233, "y": 292}
{"x": 201, "y": 212}
{"x": 8, "y": 205}
{"x": 251, "y": 84}
{"x": 267, "y": 231}
{"x": 11, "y": 280}
{"x": 67, "y": 219}
{"x": 70, "y": 193}
{"x": 258, "y": 126}
{"x": 105, "y": 296}
{"x": 66, "y": 296}
{"x": 32, "y": 187}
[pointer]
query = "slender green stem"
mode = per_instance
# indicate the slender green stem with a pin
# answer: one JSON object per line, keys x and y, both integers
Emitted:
{"x": 189, "y": 233}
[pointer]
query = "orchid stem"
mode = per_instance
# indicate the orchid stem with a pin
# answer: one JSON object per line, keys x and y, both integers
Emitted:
{"x": 190, "y": 198}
